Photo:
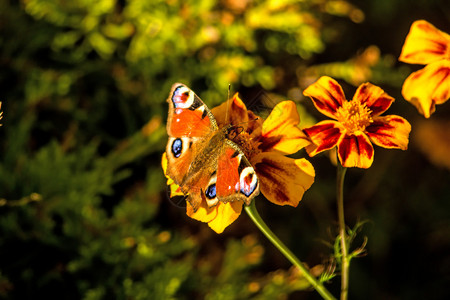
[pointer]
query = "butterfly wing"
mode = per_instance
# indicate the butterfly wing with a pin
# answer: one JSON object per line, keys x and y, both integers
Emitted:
{"x": 235, "y": 178}
{"x": 201, "y": 160}
{"x": 189, "y": 125}
{"x": 188, "y": 115}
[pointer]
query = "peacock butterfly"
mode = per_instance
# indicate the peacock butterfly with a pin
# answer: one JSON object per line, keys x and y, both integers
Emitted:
{"x": 201, "y": 157}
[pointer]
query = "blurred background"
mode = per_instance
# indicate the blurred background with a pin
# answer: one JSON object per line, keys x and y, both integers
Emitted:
{"x": 84, "y": 212}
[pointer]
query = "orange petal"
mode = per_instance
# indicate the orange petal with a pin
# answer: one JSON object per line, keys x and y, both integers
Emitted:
{"x": 232, "y": 111}
{"x": 355, "y": 150}
{"x": 327, "y": 95}
{"x": 425, "y": 44}
{"x": 428, "y": 87}
{"x": 255, "y": 125}
{"x": 389, "y": 132}
{"x": 227, "y": 213}
{"x": 374, "y": 97}
{"x": 283, "y": 179}
{"x": 204, "y": 213}
{"x": 280, "y": 131}
{"x": 325, "y": 135}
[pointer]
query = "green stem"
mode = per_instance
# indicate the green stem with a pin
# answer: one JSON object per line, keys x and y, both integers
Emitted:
{"x": 342, "y": 230}
{"x": 256, "y": 218}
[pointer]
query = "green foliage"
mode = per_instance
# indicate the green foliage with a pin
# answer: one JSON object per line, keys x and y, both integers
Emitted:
{"x": 352, "y": 234}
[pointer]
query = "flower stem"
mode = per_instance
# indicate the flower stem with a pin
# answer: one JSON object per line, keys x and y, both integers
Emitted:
{"x": 342, "y": 230}
{"x": 256, "y": 218}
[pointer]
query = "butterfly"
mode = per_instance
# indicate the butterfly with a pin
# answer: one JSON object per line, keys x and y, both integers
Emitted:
{"x": 202, "y": 158}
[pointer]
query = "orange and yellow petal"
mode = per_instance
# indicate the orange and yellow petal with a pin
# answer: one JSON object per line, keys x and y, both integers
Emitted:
{"x": 389, "y": 132}
{"x": 227, "y": 213}
{"x": 174, "y": 189}
{"x": 373, "y": 97}
{"x": 355, "y": 150}
{"x": 428, "y": 87}
{"x": 283, "y": 180}
{"x": 280, "y": 131}
{"x": 219, "y": 216}
{"x": 425, "y": 44}
{"x": 255, "y": 124}
{"x": 325, "y": 135}
{"x": 232, "y": 111}
{"x": 164, "y": 163}
{"x": 327, "y": 95}
{"x": 204, "y": 213}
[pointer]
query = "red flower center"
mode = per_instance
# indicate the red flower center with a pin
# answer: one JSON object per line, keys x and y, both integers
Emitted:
{"x": 354, "y": 115}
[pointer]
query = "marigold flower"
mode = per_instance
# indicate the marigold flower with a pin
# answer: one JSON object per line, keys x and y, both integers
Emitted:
{"x": 427, "y": 45}
{"x": 283, "y": 180}
{"x": 357, "y": 123}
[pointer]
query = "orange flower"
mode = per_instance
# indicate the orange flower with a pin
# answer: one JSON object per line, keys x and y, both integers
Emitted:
{"x": 426, "y": 45}
{"x": 357, "y": 123}
{"x": 283, "y": 180}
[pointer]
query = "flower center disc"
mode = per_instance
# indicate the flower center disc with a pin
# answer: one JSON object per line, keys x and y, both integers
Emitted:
{"x": 246, "y": 144}
{"x": 354, "y": 116}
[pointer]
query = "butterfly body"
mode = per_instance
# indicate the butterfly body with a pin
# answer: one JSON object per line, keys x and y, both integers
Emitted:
{"x": 202, "y": 160}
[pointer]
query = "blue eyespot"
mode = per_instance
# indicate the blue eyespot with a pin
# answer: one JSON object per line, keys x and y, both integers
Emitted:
{"x": 177, "y": 147}
{"x": 211, "y": 191}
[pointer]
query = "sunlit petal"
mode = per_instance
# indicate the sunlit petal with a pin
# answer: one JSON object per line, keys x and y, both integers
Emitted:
{"x": 232, "y": 111}
{"x": 374, "y": 97}
{"x": 174, "y": 189}
{"x": 389, "y": 132}
{"x": 428, "y": 87}
{"x": 283, "y": 179}
{"x": 326, "y": 94}
{"x": 227, "y": 213}
{"x": 325, "y": 135}
{"x": 280, "y": 131}
{"x": 425, "y": 44}
{"x": 355, "y": 150}
{"x": 255, "y": 124}
{"x": 204, "y": 213}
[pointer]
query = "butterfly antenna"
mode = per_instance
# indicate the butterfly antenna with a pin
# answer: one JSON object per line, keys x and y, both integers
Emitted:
{"x": 228, "y": 98}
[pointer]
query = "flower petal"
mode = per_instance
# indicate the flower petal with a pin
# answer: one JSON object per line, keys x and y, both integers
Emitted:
{"x": 204, "y": 213}
{"x": 232, "y": 111}
{"x": 325, "y": 135}
{"x": 428, "y": 87}
{"x": 280, "y": 131}
{"x": 374, "y": 97}
{"x": 255, "y": 125}
{"x": 227, "y": 213}
{"x": 355, "y": 150}
{"x": 326, "y": 94}
{"x": 174, "y": 189}
{"x": 389, "y": 132}
{"x": 425, "y": 44}
{"x": 283, "y": 179}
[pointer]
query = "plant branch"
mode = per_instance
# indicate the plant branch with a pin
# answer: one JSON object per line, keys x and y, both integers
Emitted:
{"x": 256, "y": 218}
{"x": 345, "y": 262}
